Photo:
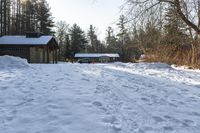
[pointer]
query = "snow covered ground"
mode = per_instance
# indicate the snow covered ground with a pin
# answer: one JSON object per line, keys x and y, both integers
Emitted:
{"x": 97, "y": 98}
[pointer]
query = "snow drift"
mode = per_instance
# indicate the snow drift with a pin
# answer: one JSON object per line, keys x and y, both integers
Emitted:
{"x": 155, "y": 66}
{"x": 10, "y": 62}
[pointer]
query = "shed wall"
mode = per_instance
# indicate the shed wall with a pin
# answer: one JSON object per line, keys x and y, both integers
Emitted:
{"x": 19, "y": 51}
{"x": 39, "y": 55}
{"x": 36, "y": 55}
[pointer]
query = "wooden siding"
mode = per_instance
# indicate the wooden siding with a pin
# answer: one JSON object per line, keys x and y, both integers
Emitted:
{"x": 19, "y": 51}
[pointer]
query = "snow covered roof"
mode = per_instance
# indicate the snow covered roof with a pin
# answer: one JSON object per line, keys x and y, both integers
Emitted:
{"x": 95, "y": 55}
{"x": 23, "y": 40}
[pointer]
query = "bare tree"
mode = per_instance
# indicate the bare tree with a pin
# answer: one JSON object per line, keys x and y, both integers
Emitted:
{"x": 61, "y": 33}
{"x": 139, "y": 11}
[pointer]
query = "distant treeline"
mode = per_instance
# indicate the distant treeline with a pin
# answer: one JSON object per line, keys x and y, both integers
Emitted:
{"x": 72, "y": 39}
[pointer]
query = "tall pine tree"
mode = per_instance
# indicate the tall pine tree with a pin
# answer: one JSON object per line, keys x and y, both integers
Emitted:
{"x": 78, "y": 39}
{"x": 44, "y": 17}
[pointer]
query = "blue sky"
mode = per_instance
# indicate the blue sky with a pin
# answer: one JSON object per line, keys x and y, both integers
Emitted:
{"x": 100, "y": 13}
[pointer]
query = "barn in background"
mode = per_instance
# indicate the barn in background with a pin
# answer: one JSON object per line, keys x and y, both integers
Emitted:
{"x": 34, "y": 47}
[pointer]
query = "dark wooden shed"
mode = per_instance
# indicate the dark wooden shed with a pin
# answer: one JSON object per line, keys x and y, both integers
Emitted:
{"x": 34, "y": 47}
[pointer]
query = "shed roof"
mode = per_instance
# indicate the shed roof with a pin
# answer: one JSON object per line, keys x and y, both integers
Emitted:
{"x": 23, "y": 40}
{"x": 95, "y": 55}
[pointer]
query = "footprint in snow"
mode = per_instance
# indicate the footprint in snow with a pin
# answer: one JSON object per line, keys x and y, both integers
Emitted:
{"x": 102, "y": 89}
{"x": 172, "y": 119}
{"x": 168, "y": 128}
{"x": 173, "y": 105}
{"x": 97, "y": 103}
{"x": 52, "y": 117}
{"x": 39, "y": 81}
{"x": 168, "y": 117}
{"x": 32, "y": 88}
{"x": 19, "y": 84}
{"x": 59, "y": 79}
{"x": 135, "y": 89}
{"x": 4, "y": 88}
{"x": 54, "y": 106}
{"x": 188, "y": 123}
{"x": 2, "y": 101}
{"x": 114, "y": 122}
{"x": 181, "y": 103}
{"x": 100, "y": 106}
{"x": 158, "y": 119}
{"x": 65, "y": 122}
{"x": 83, "y": 74}
{"x": 10, "y": 116}
{"x": 117, "y": 127}
{"x": 147, "y": 129}
{"x": 184, "y": 90}
{"x": 195, "y": 114}
{"x": 141, "y": 131}
{"x": 84, "y": 79}
{"x": 66, "y": 74}
{"x": 65, "y": 113}
{"x": 80, "y": 92}
{"x": 128, "y": 108}
{"x": 25, "y": 120}
{"x": 146, "y": 100}
{"x": 109, "y": 119}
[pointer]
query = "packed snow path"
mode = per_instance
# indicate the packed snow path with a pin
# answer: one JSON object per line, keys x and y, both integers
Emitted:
{"x": 99, "y": 98}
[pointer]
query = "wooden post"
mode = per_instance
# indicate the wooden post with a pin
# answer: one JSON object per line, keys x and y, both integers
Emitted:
{"x": 43, "y": 54}
{"x": 47, "y": 54}
{"x": 53, "y": 56}
{"x": 56, "y": 56}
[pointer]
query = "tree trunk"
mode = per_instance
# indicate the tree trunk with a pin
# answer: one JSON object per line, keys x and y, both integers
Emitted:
{"x": 193, "y": 58}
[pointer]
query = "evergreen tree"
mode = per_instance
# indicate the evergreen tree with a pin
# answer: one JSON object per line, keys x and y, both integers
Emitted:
{"x": 78, "y": 39}
{"x": 44, "y": 17}
{"x": 123, "y": 32}
{"x": 111, "y": 41}
{"x": 123, "y": 36}
{"x": 67, "y": 47}
{"x": 29, "y": 12}
{"x": 92, "y": 38}
{"x": 174, "y": 27}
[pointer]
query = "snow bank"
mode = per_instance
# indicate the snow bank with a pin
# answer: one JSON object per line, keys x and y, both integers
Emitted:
{"x": 155, "y": 66}
{"x": 9, "y": 62}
